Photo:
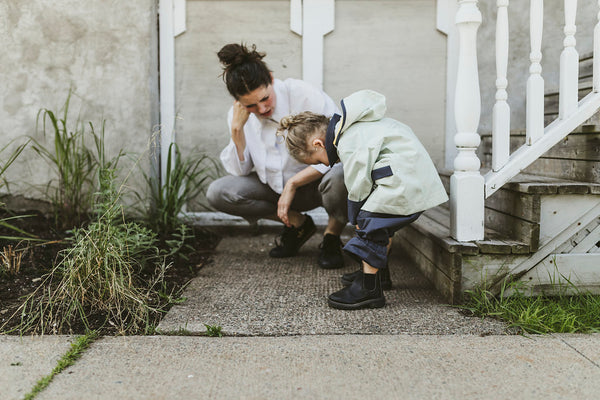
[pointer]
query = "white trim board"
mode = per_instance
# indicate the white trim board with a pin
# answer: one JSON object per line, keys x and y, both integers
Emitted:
{"x": 215, "y": 218}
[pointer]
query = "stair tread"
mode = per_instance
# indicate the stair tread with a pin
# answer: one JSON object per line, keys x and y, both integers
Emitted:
{"x": 583, "y": 129}
{"x": 435, "y": 223}
{"x": 538, "y": 184}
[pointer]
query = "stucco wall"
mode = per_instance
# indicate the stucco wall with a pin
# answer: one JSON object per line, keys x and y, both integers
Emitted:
{"x": 390, "y": 46}
{"x": 518, "y": 66}
{"x": 105, "y": 51}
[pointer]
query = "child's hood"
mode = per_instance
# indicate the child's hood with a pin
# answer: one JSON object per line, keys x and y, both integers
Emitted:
{"x": 361, "y": 106}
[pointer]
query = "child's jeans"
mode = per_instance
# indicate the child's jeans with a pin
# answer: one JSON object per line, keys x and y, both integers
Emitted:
{"x": 372, "y": 237}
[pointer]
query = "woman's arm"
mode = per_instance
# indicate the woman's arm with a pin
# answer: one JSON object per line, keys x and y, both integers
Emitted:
{"x": 240, "y": 117}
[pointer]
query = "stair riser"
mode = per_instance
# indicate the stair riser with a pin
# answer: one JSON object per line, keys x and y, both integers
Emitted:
{"x": 514, "y": 227}
{"x": 439, "y": 266}
{"x": 577, "y": 157}
{"x": 551, "y": 101}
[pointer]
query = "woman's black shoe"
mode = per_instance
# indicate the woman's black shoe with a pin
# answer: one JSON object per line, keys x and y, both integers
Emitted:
{"x": 330, "y": 255}
{"x": 291, "y": 239}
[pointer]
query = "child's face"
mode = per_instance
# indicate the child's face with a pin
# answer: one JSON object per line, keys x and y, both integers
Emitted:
{"x": 316, "y": 149}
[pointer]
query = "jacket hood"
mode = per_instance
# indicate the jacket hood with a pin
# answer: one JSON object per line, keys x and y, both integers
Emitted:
{"x": 361, "y": 106}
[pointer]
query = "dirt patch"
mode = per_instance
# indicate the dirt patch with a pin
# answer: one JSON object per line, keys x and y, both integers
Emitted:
{"x": 26, "y": 263}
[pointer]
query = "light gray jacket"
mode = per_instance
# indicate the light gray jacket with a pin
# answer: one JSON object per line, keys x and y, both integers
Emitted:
{"x": 386, "y": 168}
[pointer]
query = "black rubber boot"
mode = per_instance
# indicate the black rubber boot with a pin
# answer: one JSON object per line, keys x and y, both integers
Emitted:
{"x": 291, "y": 239}
{"x": 386, "y": 280}
{"x": 330, "y": 255}
{"x": 360, "y": 294}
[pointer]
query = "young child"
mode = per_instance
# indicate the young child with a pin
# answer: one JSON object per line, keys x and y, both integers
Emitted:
{"x": 390, "y": 179}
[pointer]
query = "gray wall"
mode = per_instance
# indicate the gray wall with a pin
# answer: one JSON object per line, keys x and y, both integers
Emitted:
{"x": 518, "y": 67}
{"x": 105, "y": 51}
{"x": 390, "y": 46}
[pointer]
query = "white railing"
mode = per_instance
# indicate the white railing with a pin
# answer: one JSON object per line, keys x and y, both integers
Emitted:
{"x": 467, "y": 213}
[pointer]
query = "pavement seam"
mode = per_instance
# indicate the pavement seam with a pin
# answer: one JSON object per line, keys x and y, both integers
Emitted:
{"x": 78, "y": 347}
{"x": 579, "y": 352}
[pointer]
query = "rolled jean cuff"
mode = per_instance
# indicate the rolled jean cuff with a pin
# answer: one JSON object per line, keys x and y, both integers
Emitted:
{"x": 365, "y": 250}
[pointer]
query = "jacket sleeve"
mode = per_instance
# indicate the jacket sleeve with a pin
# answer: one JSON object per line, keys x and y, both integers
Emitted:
{"x": 358, "y": 164}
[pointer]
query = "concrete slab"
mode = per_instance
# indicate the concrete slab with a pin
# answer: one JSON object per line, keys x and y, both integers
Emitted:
{"x": 328, "y": 367}
{"x": 24, "y": 360}
{"x": 246, "y": 292}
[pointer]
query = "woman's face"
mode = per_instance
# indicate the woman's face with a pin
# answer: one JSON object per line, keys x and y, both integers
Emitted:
{"x": 260, "y": 102}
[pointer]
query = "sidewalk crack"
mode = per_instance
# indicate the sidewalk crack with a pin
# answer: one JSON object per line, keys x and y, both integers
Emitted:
{"x": 580, "y": 353}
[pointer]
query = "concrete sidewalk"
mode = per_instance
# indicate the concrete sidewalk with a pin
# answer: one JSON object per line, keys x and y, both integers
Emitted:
{"x": 283, "y": 342}
{"x": 312, "y": 367}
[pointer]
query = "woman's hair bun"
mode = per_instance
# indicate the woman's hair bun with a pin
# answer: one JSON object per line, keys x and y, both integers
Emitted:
{"x": 243, "y": 69}
{"x": 234, "y": 54}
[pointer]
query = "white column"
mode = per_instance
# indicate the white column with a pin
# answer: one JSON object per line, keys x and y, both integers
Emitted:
{"x": 166, "y": 81}
{"x": 316, "y": 20}
{"x": 569, "y": 64}
{"x": 501, "y": 112}
{"x": 466, "y": 183}
{"x": 597, "y": 53}
{"x": 534, "y": 124}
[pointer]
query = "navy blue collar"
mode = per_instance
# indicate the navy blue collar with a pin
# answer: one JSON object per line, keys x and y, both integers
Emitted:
{"x": 332, "y": 155}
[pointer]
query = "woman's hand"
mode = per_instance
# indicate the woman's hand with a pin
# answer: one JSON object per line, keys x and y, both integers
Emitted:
{"x": 240, "y": 117}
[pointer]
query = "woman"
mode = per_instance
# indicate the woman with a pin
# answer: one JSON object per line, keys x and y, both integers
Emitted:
{"x": 265, "y": 182}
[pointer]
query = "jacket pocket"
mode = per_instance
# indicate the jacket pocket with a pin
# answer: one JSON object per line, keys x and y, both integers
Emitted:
{"x": 382, "y": 172}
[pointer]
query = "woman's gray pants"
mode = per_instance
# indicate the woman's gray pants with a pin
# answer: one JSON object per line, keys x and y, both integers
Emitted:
{"x": 247, "y": 197}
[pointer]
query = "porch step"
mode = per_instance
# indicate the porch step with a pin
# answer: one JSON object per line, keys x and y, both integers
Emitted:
{"x": 523, "y": 220}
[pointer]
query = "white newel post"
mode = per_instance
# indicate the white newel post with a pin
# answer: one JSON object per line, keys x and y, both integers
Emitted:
{"x": 534, "y": 124}
{"x": 569, "y": 64}
{"x": 597, "y": 53}
{"x": 501, "y": 112}
{"x": 466, "y": 183}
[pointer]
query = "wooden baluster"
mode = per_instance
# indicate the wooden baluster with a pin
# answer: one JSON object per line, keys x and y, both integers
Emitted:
{"x": 597, "y": 53}
{"x": 501, "y": 112}
{"x": 569, "y": 64}
{"x": 534, "y": 124}
{"x": 466, "y": 183}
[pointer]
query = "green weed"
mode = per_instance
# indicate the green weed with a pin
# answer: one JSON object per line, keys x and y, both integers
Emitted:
{"x": 561, "y": 313}
{"x": 5, "y": 222}
{"x": 71, "y": 193}
{"x": 80, "y": 345}
{"x": 185, "y": 180}
{"x": 99, "y": 275}
{"x": 213, "y": 330}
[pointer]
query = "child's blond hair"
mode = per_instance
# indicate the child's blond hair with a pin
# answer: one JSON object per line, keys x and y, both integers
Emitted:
{"x": 300, "y": 129}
